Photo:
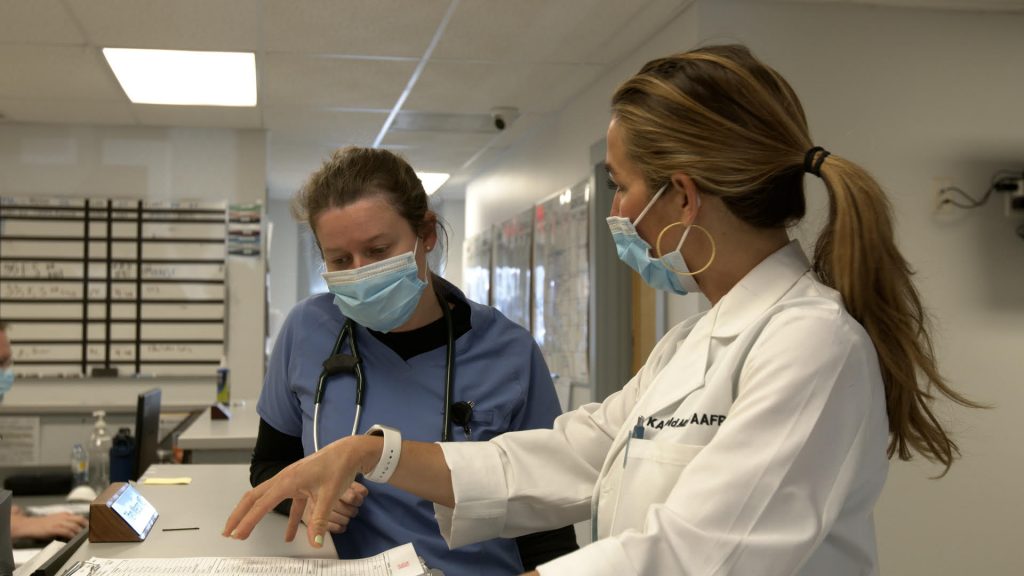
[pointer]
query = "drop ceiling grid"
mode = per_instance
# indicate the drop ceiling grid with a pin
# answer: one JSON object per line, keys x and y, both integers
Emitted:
{"x": 296, "y": 79}
{"x": 37, "y": 22}
{"x": 55, "y": 111}
{"x": 398, "y": 28}
{"x": 334, "y": 128}
{"x": 55, "y": 72}
{"x": 228, "y": 25}
{"x": 199, "y": 116}
{"x": 535, "y": 30}
{"x": 467, "y": 87}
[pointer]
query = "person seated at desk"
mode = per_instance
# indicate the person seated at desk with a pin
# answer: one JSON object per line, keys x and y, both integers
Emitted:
{"x": 62, "y": 525}
{"x": 416, "y": 354}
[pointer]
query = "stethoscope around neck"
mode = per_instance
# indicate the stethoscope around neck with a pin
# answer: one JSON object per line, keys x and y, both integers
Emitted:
{"x": 352, "y": 364}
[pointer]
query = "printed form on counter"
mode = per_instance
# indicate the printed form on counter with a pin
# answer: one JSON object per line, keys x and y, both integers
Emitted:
{"x": 398, "y": 561}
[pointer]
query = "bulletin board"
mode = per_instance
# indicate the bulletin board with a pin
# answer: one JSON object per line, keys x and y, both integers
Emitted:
{"x": 561, "y": 293}
{"x": 512, "y": 262}
{"x": 98, "y": 286}
{"x": 476, "y": 266}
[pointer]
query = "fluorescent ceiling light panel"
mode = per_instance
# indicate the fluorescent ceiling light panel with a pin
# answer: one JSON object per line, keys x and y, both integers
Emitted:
{"x": 185, "y": 78}
{"x": 432, "y": 180}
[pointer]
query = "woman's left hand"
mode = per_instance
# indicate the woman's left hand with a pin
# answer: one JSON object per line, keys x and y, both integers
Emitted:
{"x": 344, "y": 510}
{"x": 322, "y": 477}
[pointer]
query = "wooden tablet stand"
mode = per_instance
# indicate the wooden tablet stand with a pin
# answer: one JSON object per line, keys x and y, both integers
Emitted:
{"x": 120, "y": 514}
{"x": 220, "y": 411}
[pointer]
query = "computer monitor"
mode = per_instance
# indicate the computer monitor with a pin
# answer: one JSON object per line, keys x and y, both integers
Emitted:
{"x": 6, "y": 553}
{"x": 147, "y": 431}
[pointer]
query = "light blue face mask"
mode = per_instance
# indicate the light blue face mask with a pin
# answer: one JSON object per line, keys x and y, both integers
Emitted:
{"x": 380, "y": 296}
{"x": 636, "y": 253}
{"x": 6, "y": 380}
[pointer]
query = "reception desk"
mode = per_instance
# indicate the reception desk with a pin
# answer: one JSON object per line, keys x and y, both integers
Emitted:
{"x": 202, "y": 508}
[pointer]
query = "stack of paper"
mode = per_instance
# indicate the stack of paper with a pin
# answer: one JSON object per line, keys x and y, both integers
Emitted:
{"x": 398, "y": 561}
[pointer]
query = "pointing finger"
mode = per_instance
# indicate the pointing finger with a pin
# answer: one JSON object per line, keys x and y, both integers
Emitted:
{"x": 261, "y": 504}
{"x": 294, "y": 517}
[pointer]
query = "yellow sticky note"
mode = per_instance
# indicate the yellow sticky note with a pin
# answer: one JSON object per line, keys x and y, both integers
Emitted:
{"x": 167, "y": 481}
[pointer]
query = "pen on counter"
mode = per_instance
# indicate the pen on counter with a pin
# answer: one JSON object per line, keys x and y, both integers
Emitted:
{"x": 638, "y": 433}
{"x": 177, "y": 529}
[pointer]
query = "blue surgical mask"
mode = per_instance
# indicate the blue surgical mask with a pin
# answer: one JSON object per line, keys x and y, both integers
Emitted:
{"x": 380, "y": 296}
{"x": 6, "y": 380}
{"x": 636, "y": 253}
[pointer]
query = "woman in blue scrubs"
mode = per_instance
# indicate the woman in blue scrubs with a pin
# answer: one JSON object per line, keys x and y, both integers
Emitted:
{"x": 370, "y": 216}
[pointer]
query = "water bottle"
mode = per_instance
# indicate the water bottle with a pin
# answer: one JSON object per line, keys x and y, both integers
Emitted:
{"x": 122, "y": 456}
{"x": 99, "y": 454}
{"x": 79, "y": 465}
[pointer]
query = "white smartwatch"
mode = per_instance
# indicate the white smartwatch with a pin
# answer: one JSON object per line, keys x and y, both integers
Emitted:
{"x": 385, "y": 467}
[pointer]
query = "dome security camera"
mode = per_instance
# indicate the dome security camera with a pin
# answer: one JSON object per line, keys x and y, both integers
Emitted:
{"x": 503, "y": 116}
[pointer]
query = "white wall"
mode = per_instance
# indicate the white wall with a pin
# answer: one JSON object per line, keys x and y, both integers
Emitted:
{"x": 153, "y": 164}
{"x": 913, "y": 96}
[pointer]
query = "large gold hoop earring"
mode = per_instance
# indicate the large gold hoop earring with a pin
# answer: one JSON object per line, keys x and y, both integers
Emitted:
{"x": 669, "y": 266}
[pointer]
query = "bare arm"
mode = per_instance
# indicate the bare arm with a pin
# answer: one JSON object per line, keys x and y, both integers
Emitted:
{"x": 322, "y": 478}
{"x": 421, "y": 471}
{"x": 60, "y": 525}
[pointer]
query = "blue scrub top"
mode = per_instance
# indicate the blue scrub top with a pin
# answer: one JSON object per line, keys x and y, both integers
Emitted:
{"x": 498, "y": 367}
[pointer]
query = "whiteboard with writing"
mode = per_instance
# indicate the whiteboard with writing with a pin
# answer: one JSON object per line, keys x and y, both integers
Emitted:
{"x": 99, "y": 284}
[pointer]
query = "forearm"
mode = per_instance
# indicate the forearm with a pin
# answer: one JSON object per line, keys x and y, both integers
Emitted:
{"x": 422, "y": 470}
{"x": 18, "y": 526}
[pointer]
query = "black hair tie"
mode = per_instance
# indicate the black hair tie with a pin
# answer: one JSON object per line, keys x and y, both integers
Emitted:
{"x": 812, "y": 166}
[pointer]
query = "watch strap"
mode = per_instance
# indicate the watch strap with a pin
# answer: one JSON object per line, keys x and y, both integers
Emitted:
{"x": 388, "y": 462}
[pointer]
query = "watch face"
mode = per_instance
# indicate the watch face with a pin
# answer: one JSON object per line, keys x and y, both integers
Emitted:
{"x": 135, "y": 510}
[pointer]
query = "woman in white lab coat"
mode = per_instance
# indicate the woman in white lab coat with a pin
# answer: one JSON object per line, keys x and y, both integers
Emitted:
{"x": 756, "y": 438}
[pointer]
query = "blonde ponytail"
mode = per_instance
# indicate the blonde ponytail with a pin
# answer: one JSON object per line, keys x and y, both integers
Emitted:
{"x": 857, "y": 255}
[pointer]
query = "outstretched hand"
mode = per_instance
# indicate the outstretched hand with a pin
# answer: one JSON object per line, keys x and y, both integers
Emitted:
{"x": 320, "y": 480}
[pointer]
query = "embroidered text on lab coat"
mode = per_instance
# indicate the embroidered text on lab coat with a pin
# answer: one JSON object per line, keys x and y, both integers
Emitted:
{"x": 695, "y": 420}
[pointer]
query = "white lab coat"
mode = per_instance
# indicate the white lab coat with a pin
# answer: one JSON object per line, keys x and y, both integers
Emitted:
{"x": 764, "y": 448}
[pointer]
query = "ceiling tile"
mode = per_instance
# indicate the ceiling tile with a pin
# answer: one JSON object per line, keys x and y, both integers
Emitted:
{"x": 353, "y": 27}
{"x": 290, "y": 79}
{"x": 444, "y": 86}
{"x": 438, "y": 139}
{"x": 198, "y": 116}
{"x": 638, "y": 30}
{"x": 289, "y": 164}
{"x": 228, "y": 25}
{"x": 534, "y": 30}
{"x": 434, "y": 159}
{"x": 37, "y": 22}
{"x": 66, "y": 111}
{"x": 324, "y": 126}
{"x": 64, "y": 72}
